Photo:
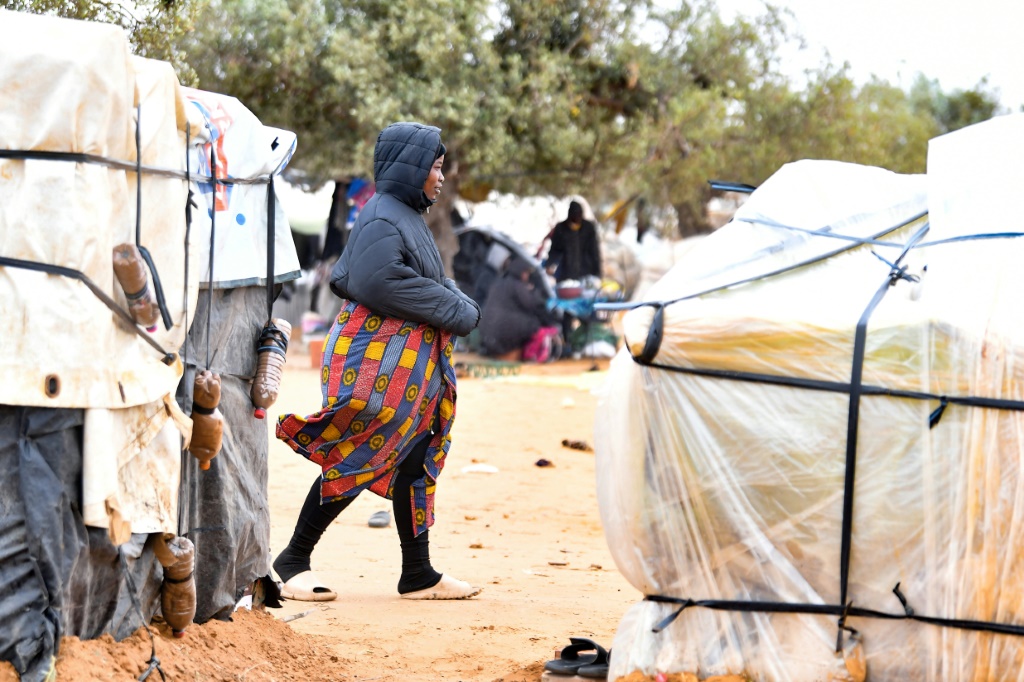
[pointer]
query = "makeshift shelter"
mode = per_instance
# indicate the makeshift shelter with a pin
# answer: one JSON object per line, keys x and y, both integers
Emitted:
{"x": 483, "y": 252}
{"x": 810, "y": 454}
{"x": 100, "y": 148}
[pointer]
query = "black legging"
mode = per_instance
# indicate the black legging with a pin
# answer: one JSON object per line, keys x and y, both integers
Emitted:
{"x": 314, "y": 518}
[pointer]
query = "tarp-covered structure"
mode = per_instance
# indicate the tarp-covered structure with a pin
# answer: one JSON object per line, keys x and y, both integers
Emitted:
{"x": 811, "y": 450}
{"x": 98, "y": 148}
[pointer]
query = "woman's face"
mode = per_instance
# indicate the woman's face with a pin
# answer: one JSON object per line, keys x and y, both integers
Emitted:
{"x": 432, "y": 187}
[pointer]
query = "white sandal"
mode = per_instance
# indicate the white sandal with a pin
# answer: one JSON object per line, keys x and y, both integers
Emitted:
{"x": 447, "y": 588}
{"x": 307, "y": 587}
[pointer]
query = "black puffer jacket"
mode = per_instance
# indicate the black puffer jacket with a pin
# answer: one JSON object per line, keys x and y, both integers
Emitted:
{"x": 391, "y": 264}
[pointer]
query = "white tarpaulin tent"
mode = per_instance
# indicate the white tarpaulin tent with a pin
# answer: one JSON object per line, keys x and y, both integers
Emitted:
{"x": 93, "y": 407}
{"x": 817, "y": 467}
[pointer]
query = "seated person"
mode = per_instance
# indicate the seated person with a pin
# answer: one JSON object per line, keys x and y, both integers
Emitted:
{"x": 515, "y": 322}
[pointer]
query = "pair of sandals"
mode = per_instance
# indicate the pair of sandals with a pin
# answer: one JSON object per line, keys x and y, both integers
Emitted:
{"x": 583, "y": 658}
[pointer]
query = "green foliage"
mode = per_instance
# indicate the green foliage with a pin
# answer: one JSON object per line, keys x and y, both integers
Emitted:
{"x": 153, "y": 27}
{"x": 606, "y": 98}
{"x": 955, "y": 110}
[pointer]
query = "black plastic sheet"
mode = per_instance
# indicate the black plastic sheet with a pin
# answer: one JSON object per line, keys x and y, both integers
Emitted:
{"x": 57, "y": 577}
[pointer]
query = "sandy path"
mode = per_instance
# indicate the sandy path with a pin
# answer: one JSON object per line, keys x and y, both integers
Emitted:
{"x": 530, "y": 536}
{"x": 508, "y": 532}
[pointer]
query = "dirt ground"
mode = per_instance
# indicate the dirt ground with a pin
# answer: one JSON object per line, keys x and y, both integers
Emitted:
{"x": 530, "y": 535}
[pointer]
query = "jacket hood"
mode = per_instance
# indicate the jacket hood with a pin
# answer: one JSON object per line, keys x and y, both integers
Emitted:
{"x": 402, "y": 159}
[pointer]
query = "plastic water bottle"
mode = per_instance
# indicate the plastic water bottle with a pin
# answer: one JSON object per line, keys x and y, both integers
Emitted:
{"x": 130, "y": 270}
{"x": 271, "y": 353}
{"x": 178, "y": 591}
{"x": 207, "y": 421}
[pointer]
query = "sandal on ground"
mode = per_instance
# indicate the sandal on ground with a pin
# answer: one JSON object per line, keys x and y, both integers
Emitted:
{"x": 380, "y": 519}
{"x": 447, "y": 588}
{"x": 573, "y": 657}
{"x": 597, "y": 670}
{"x": 307, "y": 587}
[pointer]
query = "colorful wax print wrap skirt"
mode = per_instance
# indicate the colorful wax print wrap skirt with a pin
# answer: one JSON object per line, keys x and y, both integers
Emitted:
{"x": 385, "y": 382}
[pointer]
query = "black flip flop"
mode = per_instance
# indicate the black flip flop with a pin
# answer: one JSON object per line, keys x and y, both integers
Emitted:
{"x": 570, "y": 659}
{"x": 598, "y": 670}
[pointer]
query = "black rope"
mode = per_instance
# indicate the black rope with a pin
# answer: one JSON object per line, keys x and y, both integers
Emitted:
{"x": 213, "y": 231}
{"x": 779, "y": 271}
{"x": 896, "y": 272}
{"x": 852, "y": 423}
{"x": 167, "y": 359}
{"x": 972, "y": 237}
{"x": 138, "y": 175}
{"x": 820, "y": 232}
{"x": 74, "y": 157}
{"x": 855, "y": 388}
{"x": 271, "y": 237}
{"x": 190, "y": 203}
{"x": 158, "y": 289}
{"x": 840, "y": 610}
{"x": 857, "y": 241}
{"x": 154, "y": 662}
{"x": 844, "y": 387}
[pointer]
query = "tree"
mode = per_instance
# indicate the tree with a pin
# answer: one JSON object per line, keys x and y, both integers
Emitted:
{"x": 345, "y": 70}
{"x": 601, "y": 97}
{"x": 957, "y": 109}
{"x": 153, "y": 26}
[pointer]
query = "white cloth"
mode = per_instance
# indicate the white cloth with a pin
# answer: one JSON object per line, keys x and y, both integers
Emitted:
{"x": 244, "y": 149}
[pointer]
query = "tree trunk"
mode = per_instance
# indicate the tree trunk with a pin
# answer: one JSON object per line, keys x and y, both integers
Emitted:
{"x": 691, "y": 221}
{"x": 692, "y": 216}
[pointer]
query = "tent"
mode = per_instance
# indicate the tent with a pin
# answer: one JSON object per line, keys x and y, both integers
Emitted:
{"x": 100, "y": 148}
{"x": 810, "y": 450}
{"x": 483, "y": 251}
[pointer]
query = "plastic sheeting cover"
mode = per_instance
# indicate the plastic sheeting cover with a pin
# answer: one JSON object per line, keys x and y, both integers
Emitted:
{"x": 244, "y": 149}
{"x": 59, "y": 578}
{"x": 224, "y": 511}
{"x": 72, "y": 87}
{"x": 720, "y": 488}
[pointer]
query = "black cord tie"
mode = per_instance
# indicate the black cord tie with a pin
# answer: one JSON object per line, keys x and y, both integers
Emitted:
{"x": 272, "y": 339}
{"x": 935, "y": 416}
{"x": 213, "y": 243}
{"x": 907, "y": 609}
{"x": 178, "y": 581}
{"x": 897, "y": 272}
{"x": 655, "y": 334}
{"x": 158, "y": 290}
{"x": 167, "y": 359}
{"x": 843, "y": 627}
{"x": 154, "y": 662}
{"x": 668, "y": 620}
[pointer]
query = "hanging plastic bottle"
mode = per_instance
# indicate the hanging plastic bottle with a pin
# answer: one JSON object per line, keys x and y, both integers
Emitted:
{"x": 207, "y": 421}
{"x": 130, "y": 270}
{"x": 178, "y": 591}
{"x": 271, "y": 353}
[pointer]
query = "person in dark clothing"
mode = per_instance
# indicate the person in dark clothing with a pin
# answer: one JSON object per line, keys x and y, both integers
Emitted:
{"x": 513, "y": 314}
{"x": 575, "y": 254}
{"x": 387, "y": 380}
{"x": 575, "y": 251}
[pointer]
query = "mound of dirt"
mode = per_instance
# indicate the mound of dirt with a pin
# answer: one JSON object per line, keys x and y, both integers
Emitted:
{"x": 253, "y": 646}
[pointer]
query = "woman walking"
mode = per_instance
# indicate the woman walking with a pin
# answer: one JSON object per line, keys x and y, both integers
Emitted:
{"x": 387, "y": 380}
